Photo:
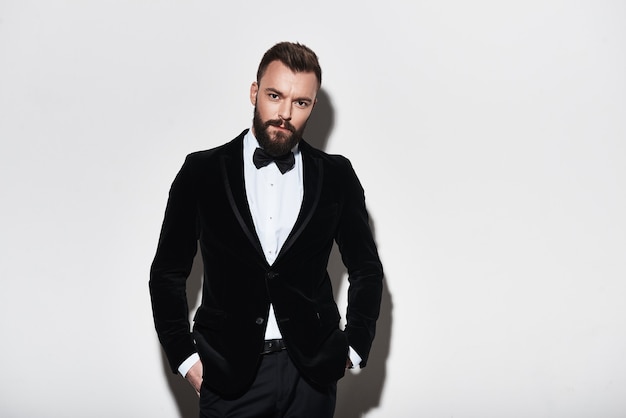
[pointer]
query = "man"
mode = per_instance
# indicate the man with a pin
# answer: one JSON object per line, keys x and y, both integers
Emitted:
{"x": 266, "y": 208}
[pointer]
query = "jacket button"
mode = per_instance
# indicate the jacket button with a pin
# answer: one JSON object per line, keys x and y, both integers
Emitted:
{"x": 259, "y": 321}
{"x": 271, "y": 275}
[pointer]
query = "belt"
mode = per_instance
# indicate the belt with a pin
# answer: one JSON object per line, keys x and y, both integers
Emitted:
{"x": 273, "y": 346}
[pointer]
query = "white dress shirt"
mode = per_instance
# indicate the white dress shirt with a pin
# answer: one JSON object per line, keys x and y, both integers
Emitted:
{"x": 274, "y": 200}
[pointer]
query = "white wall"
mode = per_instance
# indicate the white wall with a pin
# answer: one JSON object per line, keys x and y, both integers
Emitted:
{"x": 490, "y": 138}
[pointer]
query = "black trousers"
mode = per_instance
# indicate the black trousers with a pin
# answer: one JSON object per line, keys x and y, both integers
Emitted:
{"x": 278, "y": 391}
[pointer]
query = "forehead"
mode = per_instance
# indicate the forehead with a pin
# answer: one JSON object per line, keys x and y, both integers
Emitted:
{"x": 280, "y": 77}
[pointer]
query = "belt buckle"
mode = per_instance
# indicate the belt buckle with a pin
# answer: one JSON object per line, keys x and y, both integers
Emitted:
{"x": 273, "y": 346}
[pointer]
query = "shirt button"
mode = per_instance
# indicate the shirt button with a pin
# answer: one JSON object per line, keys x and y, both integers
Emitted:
{"x": 259, "y": 321}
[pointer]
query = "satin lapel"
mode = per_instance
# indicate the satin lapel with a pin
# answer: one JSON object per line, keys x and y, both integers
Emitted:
{"x": 313, "y": 174}
{"x": 232, "y": 174}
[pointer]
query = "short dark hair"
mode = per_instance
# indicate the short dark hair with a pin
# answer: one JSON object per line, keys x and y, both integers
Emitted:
{"x": 297, "y": 57}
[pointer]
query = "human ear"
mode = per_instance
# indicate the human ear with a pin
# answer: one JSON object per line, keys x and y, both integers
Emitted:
{"x": 254, "y": 90}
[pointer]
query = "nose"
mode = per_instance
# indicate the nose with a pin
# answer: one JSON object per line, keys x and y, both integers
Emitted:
{"x": 284, "y": 112}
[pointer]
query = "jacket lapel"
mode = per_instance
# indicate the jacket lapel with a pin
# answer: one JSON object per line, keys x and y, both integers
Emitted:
{"x": 313, "y": 174}
{"x": 232, "y": 175}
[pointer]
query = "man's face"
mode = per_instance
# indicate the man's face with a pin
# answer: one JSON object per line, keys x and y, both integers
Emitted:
{"x": 283, "y": 102}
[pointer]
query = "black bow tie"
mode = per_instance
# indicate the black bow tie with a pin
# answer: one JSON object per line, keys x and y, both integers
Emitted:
{"x": 284, "y": 162}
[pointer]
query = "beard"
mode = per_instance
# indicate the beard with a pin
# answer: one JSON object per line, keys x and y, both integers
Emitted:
{"x": 281, "y": 142}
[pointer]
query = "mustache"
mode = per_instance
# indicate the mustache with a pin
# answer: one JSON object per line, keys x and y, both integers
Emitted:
{"x": 280, "y": 122}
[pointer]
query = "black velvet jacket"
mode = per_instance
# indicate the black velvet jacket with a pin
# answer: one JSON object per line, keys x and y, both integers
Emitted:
{"x": 207, "y": 204}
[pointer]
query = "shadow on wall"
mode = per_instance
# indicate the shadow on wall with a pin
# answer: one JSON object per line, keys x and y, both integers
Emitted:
{"x": 357, "y": 394}
{"x": 321, "y": 122}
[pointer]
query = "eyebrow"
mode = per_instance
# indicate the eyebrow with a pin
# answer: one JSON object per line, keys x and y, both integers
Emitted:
{"x": 297, "y": 99}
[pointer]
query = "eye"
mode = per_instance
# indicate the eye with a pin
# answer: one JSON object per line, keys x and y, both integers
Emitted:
{"x": 302, "y": 103}
{"x": 273, "y": 96}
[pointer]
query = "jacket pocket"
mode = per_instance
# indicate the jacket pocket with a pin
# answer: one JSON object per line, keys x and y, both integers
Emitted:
{"x": 328, "y": 315}
{"x": 210, "y": 318}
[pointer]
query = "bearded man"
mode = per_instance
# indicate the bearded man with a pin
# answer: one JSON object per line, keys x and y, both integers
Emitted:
{"x": 266, "y": 209}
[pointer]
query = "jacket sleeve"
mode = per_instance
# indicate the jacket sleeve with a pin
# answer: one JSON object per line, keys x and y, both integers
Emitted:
{"x": 171, "y": 266}
{"x": 365, "y": 273}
